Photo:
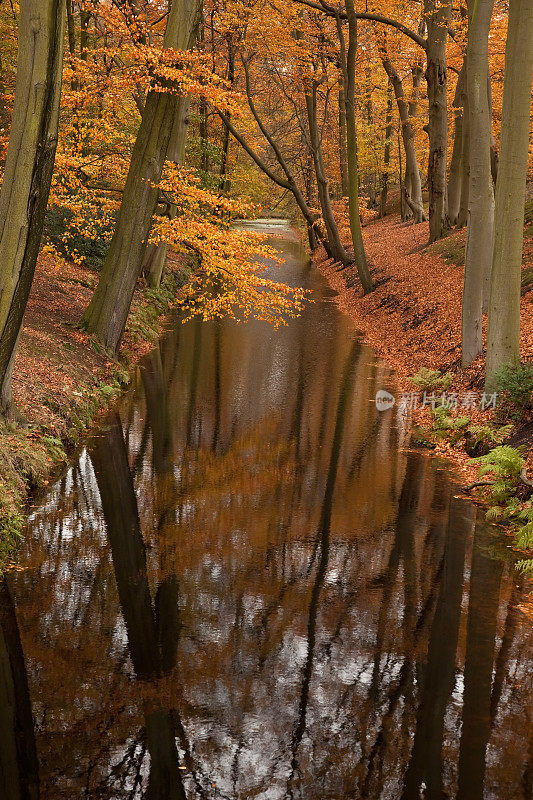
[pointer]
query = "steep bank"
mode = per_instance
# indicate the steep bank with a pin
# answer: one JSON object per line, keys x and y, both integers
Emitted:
{"x": 413, "y": 316}
{"x": 63, "y": 379}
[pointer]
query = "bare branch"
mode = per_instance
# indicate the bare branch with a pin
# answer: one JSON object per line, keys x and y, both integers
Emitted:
{"x": 331, "y": 11}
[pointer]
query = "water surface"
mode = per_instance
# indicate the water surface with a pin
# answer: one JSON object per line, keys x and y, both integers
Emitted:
{"x": 246, "y": 587}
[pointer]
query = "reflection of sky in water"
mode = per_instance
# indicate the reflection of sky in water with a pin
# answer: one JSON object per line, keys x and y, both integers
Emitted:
{"x": 298, "y": 596}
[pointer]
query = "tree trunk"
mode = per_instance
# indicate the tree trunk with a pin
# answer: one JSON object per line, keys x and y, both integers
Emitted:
{"x": 481, "y": 198}
{"x": 402, "y": 204}
{"x": 71, "y": 31}
{"x": 203, "y": 124}
{"x": 108, "y": 310}
{"x": 456, "y": 163}
{"x": 493, "y": 145}
{"x": 310, "y": 198}
{"x": 462, "y": 217}
{"x": 337, "y": 250}
{"x": 28, "y": 169}
{"x": 351, "y": 134}
{"x": 386, "y": 153}
{"x": 224, "y": 183}
{"x": 156, "y": 254}
{"x": 503, "y": 339}
{"x": 437, "y": 16}
{"x": 343, "y": 158}
{"x": 413, "y": 185}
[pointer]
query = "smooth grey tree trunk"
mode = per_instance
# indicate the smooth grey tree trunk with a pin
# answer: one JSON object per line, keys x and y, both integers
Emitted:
{"x": 413, "y": 185}
{"x": 28, "y": 169}
{"x": 156, "y": 254}
{"x": 108, "y": 310}
{"x": 503, "y": 338}
{"x": 456, "y": 169}
{"x": 351, "y": 134}
{"x": 462, "y": 217}
{"x": 437, "y": 17}
{"x": 480, "y": 195}
{"x": 456, "y": 162}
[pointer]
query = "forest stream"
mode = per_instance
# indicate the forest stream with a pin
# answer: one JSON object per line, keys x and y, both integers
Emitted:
{"x": 246, "y": 586}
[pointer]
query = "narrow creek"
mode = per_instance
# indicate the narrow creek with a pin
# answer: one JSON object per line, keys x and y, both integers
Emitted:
{"x": 245, "y": 588}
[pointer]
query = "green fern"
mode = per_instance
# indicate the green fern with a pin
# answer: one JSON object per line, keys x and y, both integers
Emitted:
{"x": 503, "y": 462}
{"x": 525, "y": 565}
{"x": 431, "y": 380}
{"x": 487, "y": 432}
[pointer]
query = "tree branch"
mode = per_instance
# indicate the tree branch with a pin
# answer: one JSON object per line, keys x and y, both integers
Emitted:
{"x": 253, "y": 155}
{"x": 331, "y": 11}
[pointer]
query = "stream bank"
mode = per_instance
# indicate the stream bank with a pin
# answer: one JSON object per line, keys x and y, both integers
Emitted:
{"x": 63, "y": 380}
{"x": 413, "y": 317}
{"x": 413, "y": 321}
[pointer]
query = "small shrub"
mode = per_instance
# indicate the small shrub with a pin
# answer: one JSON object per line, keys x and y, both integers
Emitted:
{"x": 480, "y": 439}
{"x": 443, "y": 421}
{"x": 72, "y": 244}
{"x": 514, "y": 384}
{"x": 524, "y": 538}
{"x": 506, "y": 464}
{"x": 431, "y": 380}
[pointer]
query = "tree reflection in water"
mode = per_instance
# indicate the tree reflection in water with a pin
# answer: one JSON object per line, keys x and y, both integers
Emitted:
{"x": 244, "y": 588}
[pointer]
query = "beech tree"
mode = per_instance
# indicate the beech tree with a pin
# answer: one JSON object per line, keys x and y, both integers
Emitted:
{"x": 348, "y": 63}
{"x": 437, "y": 17}
{"x": 413, "y": 186}
{"x": 503, "y": 335}
{"x": 456, "y": 163}
{"x": 386, "y": 153}
{"x": 480, "y": 194}
{"x": 161, "y": 124}
{"x": 28, "y": 169}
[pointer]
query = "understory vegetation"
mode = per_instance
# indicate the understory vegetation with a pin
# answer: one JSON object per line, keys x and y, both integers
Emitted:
{"x": 503, "y": 484}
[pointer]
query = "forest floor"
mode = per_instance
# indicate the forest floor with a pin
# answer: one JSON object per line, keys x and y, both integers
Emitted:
{"x": 62, "y": 379}
{"x": 413, "y": 319}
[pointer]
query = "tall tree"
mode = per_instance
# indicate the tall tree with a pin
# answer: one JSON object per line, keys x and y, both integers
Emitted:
{"x": 351, "y": 141}
{"x": 343, "y": 158}
{"x": 28, "y": 169}
{"x": 337, "y": 248}
{"x": 156, "y": 254}
{"x": 503, "y": 336}
{"x": 480, "y": 193}
{"x": 453, "y": 195}
{"x": 412, "y": 187}
{"x": 386, "y": 153}
{"x": 161, "y": 124}
{"x": 437, "y": 15}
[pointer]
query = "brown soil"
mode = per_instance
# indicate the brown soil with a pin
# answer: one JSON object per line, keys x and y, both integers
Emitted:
{"x": 413, "y": 316}
{"x": 55, "y": 358}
